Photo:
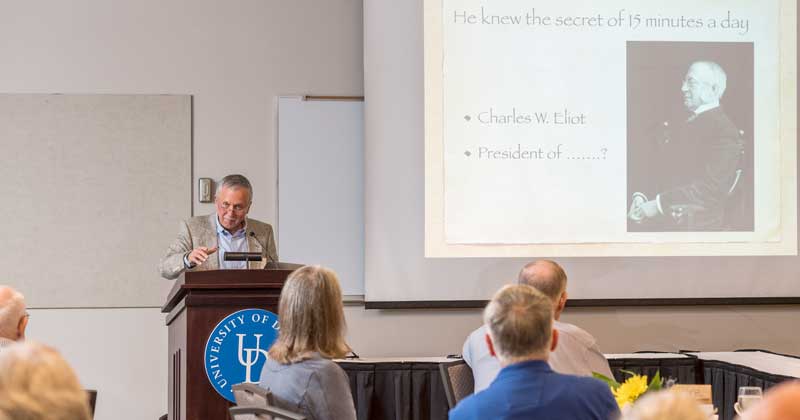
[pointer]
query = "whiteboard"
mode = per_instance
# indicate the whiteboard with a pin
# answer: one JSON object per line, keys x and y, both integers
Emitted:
{"x": 93, "y": 189}
{"x": 321, "y": 186}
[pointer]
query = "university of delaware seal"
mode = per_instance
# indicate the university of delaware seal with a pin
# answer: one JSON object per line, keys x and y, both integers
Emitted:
{"x": 237, "y": 348}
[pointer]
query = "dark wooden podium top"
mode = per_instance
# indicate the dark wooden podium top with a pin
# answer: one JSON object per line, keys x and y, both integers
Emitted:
{"x": 269, "y": 280}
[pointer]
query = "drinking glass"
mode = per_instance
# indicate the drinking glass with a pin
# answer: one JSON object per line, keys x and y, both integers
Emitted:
{"x": 748, "y": 396}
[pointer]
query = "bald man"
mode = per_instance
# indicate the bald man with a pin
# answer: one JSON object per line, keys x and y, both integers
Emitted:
{"x": 13, "y": 316}
{"x": 577, "y": 352}
{"x": 699, "y": 161}
{"x": 781, "y": 402}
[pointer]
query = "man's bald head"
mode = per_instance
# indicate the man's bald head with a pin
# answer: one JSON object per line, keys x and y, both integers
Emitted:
{"x": 781, "y": 402}
{"x": 13, "y": 315}
{"x": 549, "y": 278}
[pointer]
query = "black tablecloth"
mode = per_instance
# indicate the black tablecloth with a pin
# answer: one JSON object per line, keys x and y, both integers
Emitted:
{"x": 397, "y": 390}
{"x": 725, "y": 380}
{"x": 414, "y": 390}
{"x": 683, "y": 370}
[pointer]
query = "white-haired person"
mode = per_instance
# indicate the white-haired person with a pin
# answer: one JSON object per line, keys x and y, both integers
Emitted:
{"x": 519, "y": 321}
{"x": 13, "y": 316}
{"x": 666, "y": 405}
{"x": 203, "y": 241}
{"x": 299, "y": 372}
{"x": 36, "y": 383}
{"x": 697, "y": 163}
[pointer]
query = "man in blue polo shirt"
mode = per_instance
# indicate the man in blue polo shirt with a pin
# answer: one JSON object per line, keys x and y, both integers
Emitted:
{"x": 519, "y": 321}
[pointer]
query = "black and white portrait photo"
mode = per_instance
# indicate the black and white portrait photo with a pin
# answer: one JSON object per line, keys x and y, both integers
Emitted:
{"x": 689, "y": 136}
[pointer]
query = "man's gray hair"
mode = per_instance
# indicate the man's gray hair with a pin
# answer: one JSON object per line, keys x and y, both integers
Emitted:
{"x": 719, "y": 79}
{"x": 520, "y": 321}
{"x": 545, "y": 276}
{"x": 235, "y": 181}
{"x": 12, "y": 310}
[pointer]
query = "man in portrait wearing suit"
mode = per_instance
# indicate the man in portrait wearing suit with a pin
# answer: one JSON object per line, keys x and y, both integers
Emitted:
{"x": 203, "y": 240}
{"x": 698, "y": 163}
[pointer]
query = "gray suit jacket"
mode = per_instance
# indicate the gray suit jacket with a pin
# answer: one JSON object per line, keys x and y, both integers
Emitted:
{"x": 202, "y": 231}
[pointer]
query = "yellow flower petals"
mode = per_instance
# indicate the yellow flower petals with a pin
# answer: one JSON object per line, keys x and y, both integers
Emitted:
{"x": 630, "y": 390}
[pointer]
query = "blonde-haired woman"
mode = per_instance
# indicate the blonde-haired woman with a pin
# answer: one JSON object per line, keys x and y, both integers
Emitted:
{"x": 666, "y": 405}
{"x": 36, "y": 383}
{"x": 299, "y": 372}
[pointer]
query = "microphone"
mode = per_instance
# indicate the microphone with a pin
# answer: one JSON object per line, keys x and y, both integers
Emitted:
{"x": 270, "y": 261}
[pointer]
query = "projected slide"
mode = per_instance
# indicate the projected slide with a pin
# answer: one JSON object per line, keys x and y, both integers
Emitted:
{"x": 610, "y": 128}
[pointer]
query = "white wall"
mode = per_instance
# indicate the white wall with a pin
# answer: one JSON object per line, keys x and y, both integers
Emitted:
{"x": 618, "y": 330}
{"x": 235, "y": 57}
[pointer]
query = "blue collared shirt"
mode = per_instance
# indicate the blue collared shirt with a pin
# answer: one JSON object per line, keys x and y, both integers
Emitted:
{"x": 231, "y": 242}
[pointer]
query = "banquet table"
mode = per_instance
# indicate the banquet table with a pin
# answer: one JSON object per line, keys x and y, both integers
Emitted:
{"x": 410, "y": 388}
{"x": 727, "y": 371}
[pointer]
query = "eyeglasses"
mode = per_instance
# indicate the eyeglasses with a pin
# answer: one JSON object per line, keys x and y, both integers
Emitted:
{"x": 238, "y": 208}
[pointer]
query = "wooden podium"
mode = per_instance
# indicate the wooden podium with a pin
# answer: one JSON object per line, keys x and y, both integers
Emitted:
{"x": 196, "y": 304}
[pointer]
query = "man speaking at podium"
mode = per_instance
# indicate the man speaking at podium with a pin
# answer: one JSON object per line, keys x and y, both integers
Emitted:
{"x": 203, "y": 240}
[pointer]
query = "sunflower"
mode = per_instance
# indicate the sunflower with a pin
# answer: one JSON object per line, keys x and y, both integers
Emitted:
{"x": 630, "y": 390}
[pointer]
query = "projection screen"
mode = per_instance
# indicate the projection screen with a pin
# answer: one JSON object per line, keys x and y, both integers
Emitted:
{"x": 649, "y": 148}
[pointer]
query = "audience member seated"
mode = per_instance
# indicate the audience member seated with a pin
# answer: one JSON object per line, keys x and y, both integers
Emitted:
{"x": 299, "y": 372}
{"x": 519, "y": 321}
{"x": 666, "y": 405}
{"x": 577, "y": 352}
{"x": 781, "y": 402}
{"x": 36, "y": 383}
{"x": 13, "y": 316}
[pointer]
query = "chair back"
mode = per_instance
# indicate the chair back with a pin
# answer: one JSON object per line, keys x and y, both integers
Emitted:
{"x": 457, "y": 380}
{"x": 247, "y": 394}
{"x": 263, "y": 413}
{"x": 91, "y": 395}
